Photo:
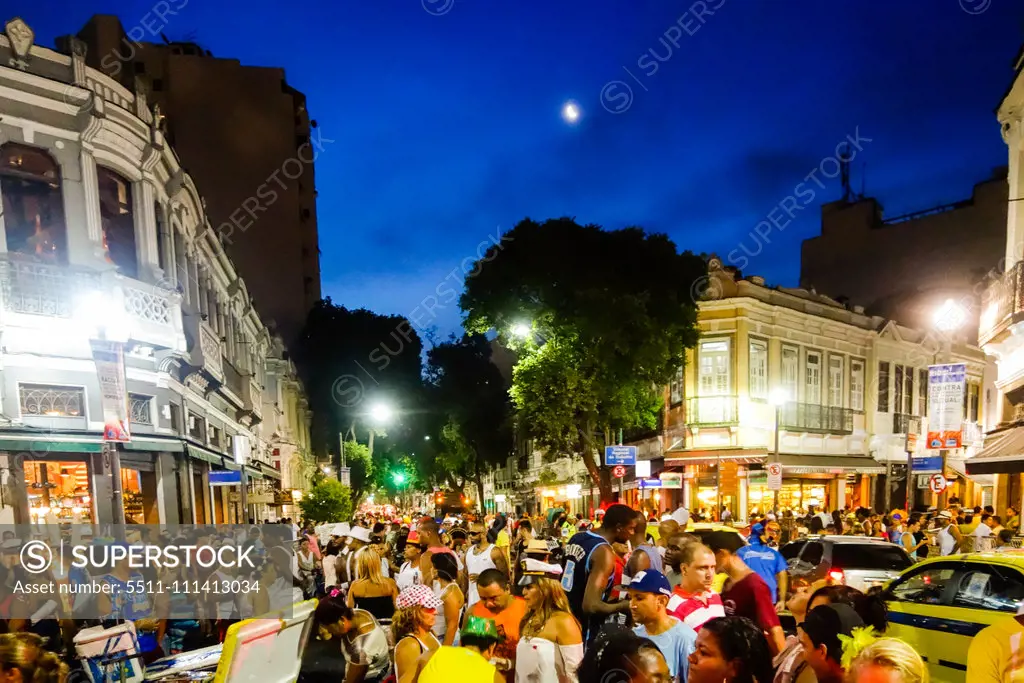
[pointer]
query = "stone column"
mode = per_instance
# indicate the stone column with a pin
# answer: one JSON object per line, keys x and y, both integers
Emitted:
{"x": 91, "y": 193}
{"x": 1015, "y": 179}
{"x": 146, "y": 232}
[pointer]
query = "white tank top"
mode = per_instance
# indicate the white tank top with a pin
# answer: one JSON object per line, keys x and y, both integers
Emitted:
{"x": 946, "y": 541}
{"x": 476, "y": 564}
{"x": 440, "y": 623}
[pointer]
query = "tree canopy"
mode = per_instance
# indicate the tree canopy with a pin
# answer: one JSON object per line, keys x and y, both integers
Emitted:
{"x": 607, "y": 316}
{"x": 327, "y": 502}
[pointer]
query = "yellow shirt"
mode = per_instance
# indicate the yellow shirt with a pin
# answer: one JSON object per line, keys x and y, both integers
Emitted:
{"x": 990, "y": 652}
{"x": 449, "y": 664}
{"x": 502, "y": 541}
{"x": 719, "y": 582}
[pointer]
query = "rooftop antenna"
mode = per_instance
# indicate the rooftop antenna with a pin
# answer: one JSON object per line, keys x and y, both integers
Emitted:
{"x": 844, "y": 171}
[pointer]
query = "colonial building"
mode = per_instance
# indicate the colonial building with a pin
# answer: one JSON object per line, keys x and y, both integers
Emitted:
{"x": 791, "y": 376}
{"x": 105, "y": 238}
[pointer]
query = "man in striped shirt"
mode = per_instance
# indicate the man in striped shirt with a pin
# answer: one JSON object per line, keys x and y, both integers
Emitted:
{"x": 693, "y": 602}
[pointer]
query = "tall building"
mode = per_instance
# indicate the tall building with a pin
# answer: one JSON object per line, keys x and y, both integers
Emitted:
{"x": 905, "y": 267}
{"x": 246, "y": 138}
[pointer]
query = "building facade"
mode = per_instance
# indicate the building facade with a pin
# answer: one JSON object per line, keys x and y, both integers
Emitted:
{"x": 790, "y": 376}
{"x": 862, "y": 256}
{"x": 247, "y": 140}
{"x": 104, "y": 236}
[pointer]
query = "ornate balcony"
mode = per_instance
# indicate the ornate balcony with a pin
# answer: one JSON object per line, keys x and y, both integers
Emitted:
{"x": 810, "y": 417}
{"x": 712, "y": 411}
{"x": 253, "y": 398}
{"x": 1002, "y": 304}
{"x": 212, "y": 355}
{"x": 906, "y": 424}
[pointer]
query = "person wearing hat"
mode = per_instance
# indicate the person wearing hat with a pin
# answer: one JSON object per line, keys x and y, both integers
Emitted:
{"x": 649, "y": 594}
{"x": 745, "y": 594}
{"x": 409, "y": 573}
{"x": 549, "y": 633}
{"x": 768, "y": 563}
{"x": 949, "y": 537}
{"x": 467, "y": 663}
{"x": 412, "y": 624}
{"x": 358, "y": 538}
{"x": 821, "y": 635}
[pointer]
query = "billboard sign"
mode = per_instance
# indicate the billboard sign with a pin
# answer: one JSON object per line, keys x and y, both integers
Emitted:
{"x": 946, "y": 386}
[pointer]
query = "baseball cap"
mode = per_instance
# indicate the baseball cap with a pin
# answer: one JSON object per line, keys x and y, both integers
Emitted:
{"x": 944, "y": 515}
{"x": 649, "y": 581}
{"x": 757, "y": 529}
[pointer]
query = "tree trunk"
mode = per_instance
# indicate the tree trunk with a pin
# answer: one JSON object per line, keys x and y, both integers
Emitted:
{"x": 593, "y": 461}
{"x": 479, "y": 486}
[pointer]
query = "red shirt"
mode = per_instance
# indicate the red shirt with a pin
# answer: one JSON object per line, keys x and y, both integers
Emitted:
{"x": 751, "y": 598}
{"x": 695, "y": 609}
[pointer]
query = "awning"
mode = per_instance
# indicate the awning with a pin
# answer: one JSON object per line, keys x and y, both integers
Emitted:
{"x": 154, "y": 444}
{"x": 829, "y": 464}
{"x": 200, "y": 453}
{"x": 42, "y": 448}
{"x": 1003, "y": 453}
{"x": 712, "y": 456}
{"x": 271, "y": 472}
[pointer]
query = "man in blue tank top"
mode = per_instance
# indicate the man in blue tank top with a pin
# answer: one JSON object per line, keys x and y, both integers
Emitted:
{"x": 590, "y": 567}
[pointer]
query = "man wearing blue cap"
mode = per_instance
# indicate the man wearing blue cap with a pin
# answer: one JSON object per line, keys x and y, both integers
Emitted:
{"x": 768, "y": 563}
{"x": 649, "y": 593}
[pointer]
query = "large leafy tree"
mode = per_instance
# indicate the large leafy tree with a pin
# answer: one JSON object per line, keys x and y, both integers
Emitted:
{"x": 607, "y": 316}
{"x": 327, "y": 502}
{"x": 350, "y": 359}
{"x": 470, "y": 411}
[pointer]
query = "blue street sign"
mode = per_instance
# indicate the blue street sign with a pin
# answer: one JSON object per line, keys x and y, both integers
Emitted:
{"x": 620, "y": 455}
{"x": 928, "y": 464}
{"x": 225, "y": 477}
{"x": 650, "y": 483}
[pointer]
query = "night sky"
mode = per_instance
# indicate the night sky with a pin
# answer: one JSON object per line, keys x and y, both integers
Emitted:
{"x": 445, "y": 116}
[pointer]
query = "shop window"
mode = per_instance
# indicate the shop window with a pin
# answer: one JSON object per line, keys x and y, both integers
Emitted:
{"x": 676, "y": 388}
{"x": 856, "y": 384}
{"x": 836, "y": 374}
{"x": 883, "y": 387}
{"x": 33, "y": 208}
{"x": 812, "y": 378}
{"x": 138, "y": 489}
{"x": 790, "y": 371}
{"x": 139, "y": 409}
{"x": 758, "y": 369}
{"x": 118, "y": 221}
{"x": 51, "y": 401}
{"x": 58, "y": 492}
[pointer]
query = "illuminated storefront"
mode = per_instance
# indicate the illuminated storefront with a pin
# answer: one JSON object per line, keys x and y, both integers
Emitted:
{"x": 58, "y": 491}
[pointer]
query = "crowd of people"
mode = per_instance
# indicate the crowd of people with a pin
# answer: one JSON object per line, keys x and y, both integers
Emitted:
{"x": 559, "y": 599}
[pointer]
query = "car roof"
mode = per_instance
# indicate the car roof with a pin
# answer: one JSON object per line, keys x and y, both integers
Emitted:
{"x": 1013, "y": 557}
{"x": 844, "y": 539}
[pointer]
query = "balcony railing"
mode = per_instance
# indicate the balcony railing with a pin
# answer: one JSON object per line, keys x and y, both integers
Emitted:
{"x": 810, "y": 417}
{"x": 712, "y": 410}
{"x": 211, "y": 348}
{"x": 1002, "y": 299}
{"x": 906, "y": 424}
{"x": 233, "y": 379}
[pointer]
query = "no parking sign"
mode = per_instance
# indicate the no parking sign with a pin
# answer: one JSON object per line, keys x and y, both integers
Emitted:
{"x": 937, "y": 483}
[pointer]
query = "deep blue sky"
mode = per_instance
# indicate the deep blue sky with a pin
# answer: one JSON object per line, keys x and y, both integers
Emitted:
{"x": 447, "y": 127}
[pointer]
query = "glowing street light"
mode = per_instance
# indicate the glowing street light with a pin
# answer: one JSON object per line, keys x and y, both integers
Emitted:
{"x": 398, "y": 478}
{"x": 950, "y": 316}
{"x": 381, "y": 413}
{"x": 778, "y": 396}
{"x": 426, "y": 438}
{"x": 522, "y": 330}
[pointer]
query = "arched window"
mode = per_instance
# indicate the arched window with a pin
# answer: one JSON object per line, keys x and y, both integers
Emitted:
{"x": 32, "y": 203}
{"x": 118, "y": 221}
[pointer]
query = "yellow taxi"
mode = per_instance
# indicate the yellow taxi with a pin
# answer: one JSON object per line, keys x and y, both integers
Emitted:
{"x": 939, "y": 604}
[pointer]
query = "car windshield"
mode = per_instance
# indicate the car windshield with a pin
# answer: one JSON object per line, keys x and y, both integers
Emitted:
{"x": 869, "y": 556}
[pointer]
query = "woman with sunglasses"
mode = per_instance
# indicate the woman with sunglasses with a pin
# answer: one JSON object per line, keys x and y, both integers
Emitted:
{"x": 411, "y": 628}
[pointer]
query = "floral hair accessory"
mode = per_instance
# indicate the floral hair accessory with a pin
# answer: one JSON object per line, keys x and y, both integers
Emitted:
{"x": 854, "y": 643}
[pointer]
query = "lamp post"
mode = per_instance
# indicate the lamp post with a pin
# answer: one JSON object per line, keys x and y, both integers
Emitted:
{"x": 777, "y": 398}
{"x": 948, "y": 318}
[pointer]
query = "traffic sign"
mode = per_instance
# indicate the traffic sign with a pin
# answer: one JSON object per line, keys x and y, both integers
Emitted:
{"x": 937, "y": 483}
{"x": 775, "y": 476}
{"x": 620, "y": 455}
{"x": 619, "y": 471}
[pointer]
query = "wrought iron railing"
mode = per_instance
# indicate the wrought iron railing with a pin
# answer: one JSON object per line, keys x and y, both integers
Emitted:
{"x": 811, "y": 417}
{"x": 712, "y": 410}
{"x": 51, "y": 401}
{"x": 139, "y": 411}
{"x": 1002, "y": 299}
{"x": 906, "y": 424}
{"x": 43, "y": 289}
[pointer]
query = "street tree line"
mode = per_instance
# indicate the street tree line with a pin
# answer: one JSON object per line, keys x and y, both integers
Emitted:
{"x": 571, "y": 331}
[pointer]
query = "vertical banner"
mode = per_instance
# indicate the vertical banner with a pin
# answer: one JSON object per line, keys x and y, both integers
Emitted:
{"x": 109, "y": 358}
{"x": 946, "y": 386}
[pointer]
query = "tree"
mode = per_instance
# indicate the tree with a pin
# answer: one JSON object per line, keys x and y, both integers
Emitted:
{"x": 610, "y": 315}
{"x": 327, "y": 502}
{"x": 471, "y": 411}
{"x": 349, "y": 359}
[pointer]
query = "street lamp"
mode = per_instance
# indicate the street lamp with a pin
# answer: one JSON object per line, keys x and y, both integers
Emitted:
{"x": 522, "y": 330}
{"x": 777, "y": 397}
{"x": 950, "y": 316}
{"x": 381, "y": 413}
{"x": 426, "y": 438}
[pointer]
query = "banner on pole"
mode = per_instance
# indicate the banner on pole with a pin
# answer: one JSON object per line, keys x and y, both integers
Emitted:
{"x": 109, "y": 358}
{"x": 946, "y": 385}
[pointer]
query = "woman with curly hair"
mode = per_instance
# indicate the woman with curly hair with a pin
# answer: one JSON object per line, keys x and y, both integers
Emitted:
{"x": 24, "y": 659}
{"x": 621, "y": 655}
{"x": 550, "y": 640}
{"x": 411, "y": 629}
{"x": 731, "y": 650}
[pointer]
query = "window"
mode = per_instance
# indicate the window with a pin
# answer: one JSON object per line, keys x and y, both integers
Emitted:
{"x": 922, "y": 392}
{"x": 836, "y": 371}
{"x": 175, "y": 417}
{"x": 989, "y": 587}
{"x": 812, "y": 378}
{"x": 790, "y": 371}
{"x": 118, "y": 221}
{"x": 139, "y": 409}
{"x": 971, "y": 402}
{"x": 925, "y": 586}
{"x": 813, "y": 553}
{"x": 714, "y": 368}
{"x": 164, "y": 245}
{"x": 48, "y": 400}
{"x": 856, "y": 384}
{"x": 197, "y": 428}
{"x": 758, "y": 369}
{"x": 883, "y": 387}
{"x": 908, "y": 391}
{"x": 883, "y": 556}
{"x": 33, "y": 209}
{"x": 675, "y": 389}
{"x": 790, "y": 551}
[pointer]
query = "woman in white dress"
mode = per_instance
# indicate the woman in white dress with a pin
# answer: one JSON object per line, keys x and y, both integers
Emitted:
{"x": 550, "y": 640}
{"x": 449, "y": 617}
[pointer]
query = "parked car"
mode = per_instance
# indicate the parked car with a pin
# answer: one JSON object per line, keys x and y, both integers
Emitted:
{"x": 938, "y": 605}
{"x": 700, "y": 529}
{"x": 857, "y": 561}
